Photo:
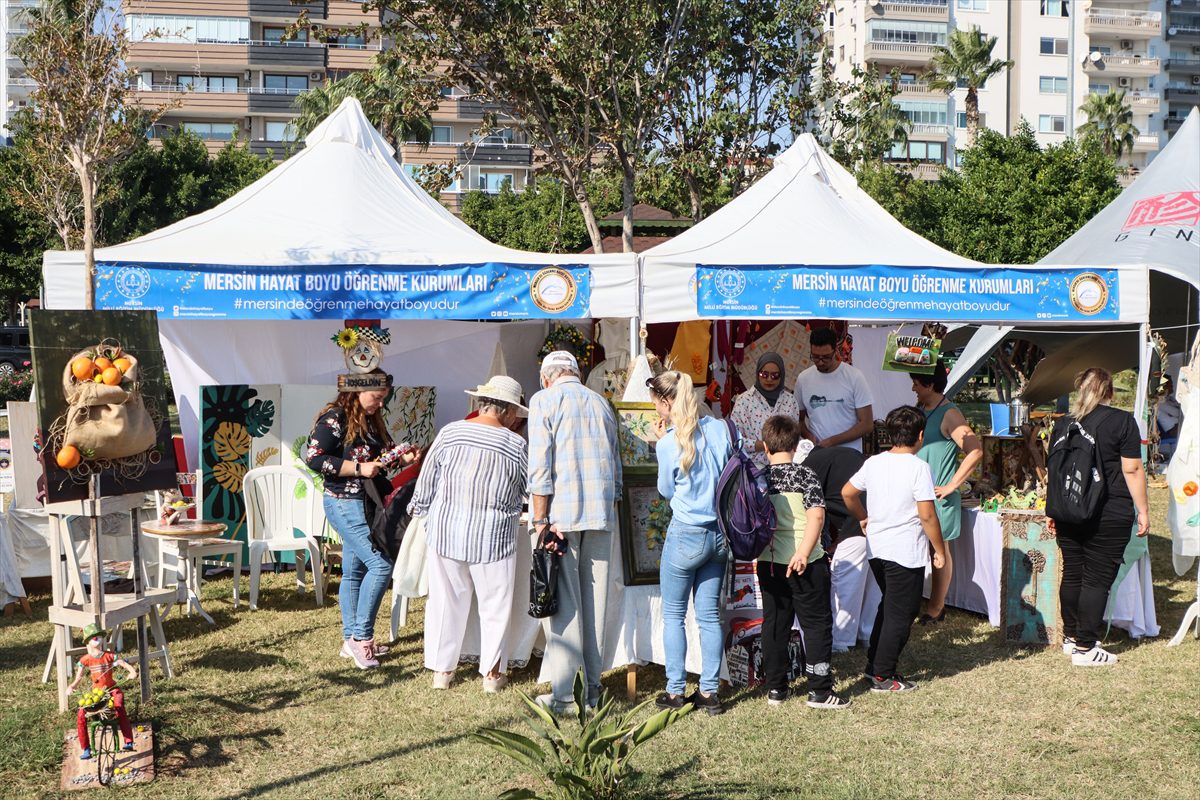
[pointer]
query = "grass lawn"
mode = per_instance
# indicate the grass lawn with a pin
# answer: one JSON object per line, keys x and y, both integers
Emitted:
{"x": 262, "y": 707}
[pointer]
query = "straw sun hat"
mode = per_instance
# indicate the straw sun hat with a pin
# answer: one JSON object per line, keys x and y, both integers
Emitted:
{"x": 503, "y": 388}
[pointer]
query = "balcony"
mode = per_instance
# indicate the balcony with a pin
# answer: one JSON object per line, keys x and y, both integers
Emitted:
{"x": 275, "y": 150}
{"x": 347, "y": 12}
{"x": 1186, "y": 94}
{"x": 919, "y": 89}
{"x": 1146, "y": 143}
{"x": 925, "y": 170}
{"x": 1185, "y": 66}
{"x": 1172, "y": 124}
{"x": 466, "y": 108}
{"x": 1120, "y": 22}
{"x": 351, "y": 57}
{"x": 1144, "y": 102}
{"x": 1183, "y": 27}
{"x": 921, "y": 130}
{"x": 1126, "y": 65}
{"x": 901, "y": 52}
{"x": 926, "y": 12}
{"x": 476, "y": 153}
{"x": 236, "y": 55}
{"x": 278, "y": 9}
{"x": 245, "y": 100}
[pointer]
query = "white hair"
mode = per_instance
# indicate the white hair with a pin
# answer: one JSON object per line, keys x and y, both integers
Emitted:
{"x": 553, "y": 372}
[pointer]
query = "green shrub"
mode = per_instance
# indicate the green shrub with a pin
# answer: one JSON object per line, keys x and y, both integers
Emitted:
{"x": 15, "y": 385}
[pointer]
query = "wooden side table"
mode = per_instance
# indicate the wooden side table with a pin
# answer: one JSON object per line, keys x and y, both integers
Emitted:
{"x": 190, "y": 540}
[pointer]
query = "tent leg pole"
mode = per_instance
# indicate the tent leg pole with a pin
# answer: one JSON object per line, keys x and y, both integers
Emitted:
{"x": 635, "y": 339}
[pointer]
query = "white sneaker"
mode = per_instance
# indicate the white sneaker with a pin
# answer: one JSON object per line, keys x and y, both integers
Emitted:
{"x": 494, "y": 685}
{"x": 1096, "y": 657}
{"x": 441, "y": 680}
{"x": 1068, "y": 645}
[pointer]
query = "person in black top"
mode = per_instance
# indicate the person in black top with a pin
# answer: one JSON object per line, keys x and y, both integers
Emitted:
{"x": 1092, "y": 553}
{"x": 834, "y": 466}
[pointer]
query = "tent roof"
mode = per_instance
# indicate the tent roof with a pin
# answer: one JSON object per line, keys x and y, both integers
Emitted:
{"x": 1155, "y": 221}
{"x": 807, "y": 209}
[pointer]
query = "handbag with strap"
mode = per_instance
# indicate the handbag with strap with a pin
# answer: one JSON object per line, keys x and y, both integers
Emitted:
{"x": 543, "y": 584}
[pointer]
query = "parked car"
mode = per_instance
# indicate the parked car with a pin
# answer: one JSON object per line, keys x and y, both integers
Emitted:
{"x": 14, "y": 349}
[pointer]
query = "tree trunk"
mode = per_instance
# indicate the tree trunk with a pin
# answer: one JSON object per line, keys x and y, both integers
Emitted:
{"x": 88, "y": 188}
{"x": 628, "y": 178}
{"x": 972, "y": 115}
{"x": 589, "y": 214}
{"x": 695, "y": 196}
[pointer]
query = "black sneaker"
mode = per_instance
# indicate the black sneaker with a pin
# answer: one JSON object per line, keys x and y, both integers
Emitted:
{"x": 777, "y": 697}
{"x": 895, "y": 684}
{"x": 710, "y": 704}
{"x": 828, "y": 700}
{"x": 670, "y": 701}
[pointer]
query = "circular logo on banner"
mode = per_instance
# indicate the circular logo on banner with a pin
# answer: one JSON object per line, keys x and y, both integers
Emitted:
{"x": 553, "y": 290}
{"x": 132, "y": 282}
{"x": 1089, "y": 293}
{"x": 730, "y": 283}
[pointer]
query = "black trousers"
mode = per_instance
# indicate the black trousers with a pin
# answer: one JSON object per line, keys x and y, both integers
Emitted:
{"x": 805, "y": 596}
{"x": 901, "y": 589}
{"x": 1091, "y": 556}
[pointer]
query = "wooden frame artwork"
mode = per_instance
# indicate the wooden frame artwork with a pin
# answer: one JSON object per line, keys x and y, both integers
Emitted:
{"x": 644, "y": 520}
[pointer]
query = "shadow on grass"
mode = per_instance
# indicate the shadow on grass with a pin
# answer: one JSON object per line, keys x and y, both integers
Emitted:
{"x": 273, "y": 700}
{"x": 184, "y": 755}
{"x": 237, "y": 660}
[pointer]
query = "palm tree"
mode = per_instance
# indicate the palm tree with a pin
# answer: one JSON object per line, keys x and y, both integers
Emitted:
{"x": 966, "y": 60}
{"x": 385, "y": 98}
{"x": 1109, "y": 123}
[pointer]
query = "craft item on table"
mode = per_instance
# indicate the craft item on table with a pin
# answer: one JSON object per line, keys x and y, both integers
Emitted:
{"x": 636, "y": 432}
{"x": 644, "y": 520}
{"x": 608, "y": 378}
{"x": 692, "y": 350}
{"x": 914, "y": 354}
{"x": 790, "y": 340}
{"x": 362, "y": 347}
{"x": 174, "y": 507}
{"x": 1031, "y": 571}
{"x": 571, "y": 339}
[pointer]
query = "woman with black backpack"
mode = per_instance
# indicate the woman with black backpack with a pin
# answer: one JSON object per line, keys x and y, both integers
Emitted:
{"x": 1092, "y": 518}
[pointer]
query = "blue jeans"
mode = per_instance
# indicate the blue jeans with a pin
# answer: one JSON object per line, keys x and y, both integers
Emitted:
{"x": 365, "y": 573}
{"x": 693, "y": 562}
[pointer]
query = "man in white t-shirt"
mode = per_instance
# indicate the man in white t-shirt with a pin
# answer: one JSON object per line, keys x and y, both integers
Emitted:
{"x": 834, "y": 399}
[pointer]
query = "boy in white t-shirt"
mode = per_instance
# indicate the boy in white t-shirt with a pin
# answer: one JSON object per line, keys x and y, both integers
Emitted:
{"x": 901, "y": 523}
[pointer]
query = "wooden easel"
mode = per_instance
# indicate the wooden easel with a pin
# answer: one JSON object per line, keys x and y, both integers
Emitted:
{"x": 73, "y": 606}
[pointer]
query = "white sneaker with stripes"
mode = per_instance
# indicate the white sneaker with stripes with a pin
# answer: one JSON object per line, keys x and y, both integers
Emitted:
{"x": 1096, "y": 657}
{"x": 1068, "y": 645}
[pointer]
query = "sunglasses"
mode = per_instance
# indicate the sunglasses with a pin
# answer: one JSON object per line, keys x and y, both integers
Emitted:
{"x": 768, "y": 376}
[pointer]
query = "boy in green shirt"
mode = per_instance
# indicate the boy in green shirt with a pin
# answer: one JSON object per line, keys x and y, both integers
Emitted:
{"x": 793, "y": 572}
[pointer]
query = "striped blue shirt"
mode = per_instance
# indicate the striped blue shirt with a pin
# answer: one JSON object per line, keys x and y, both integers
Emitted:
{"x": 574, "y": 456}
{"x": 471, "y": 490}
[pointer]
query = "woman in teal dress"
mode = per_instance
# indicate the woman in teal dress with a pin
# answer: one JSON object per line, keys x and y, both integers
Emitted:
{"x": 946, "y": 432}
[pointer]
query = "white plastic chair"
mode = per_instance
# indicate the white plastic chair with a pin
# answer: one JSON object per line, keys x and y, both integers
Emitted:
{"x": 273, "y": 516}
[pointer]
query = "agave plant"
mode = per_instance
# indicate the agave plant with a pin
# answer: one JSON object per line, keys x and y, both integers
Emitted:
{"x": 592, "y": 765}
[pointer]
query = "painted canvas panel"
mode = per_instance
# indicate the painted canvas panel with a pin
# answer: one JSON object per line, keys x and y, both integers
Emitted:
{"x": 636, "y": 434}
{"x": 410, "y": 415}
{"x": 644, "y": 519}
{"x": 1031, "y": 571}
{"x": 102, "y": 402}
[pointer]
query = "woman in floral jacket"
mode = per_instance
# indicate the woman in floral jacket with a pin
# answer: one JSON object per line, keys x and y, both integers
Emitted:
{"x": 347, "y": 439}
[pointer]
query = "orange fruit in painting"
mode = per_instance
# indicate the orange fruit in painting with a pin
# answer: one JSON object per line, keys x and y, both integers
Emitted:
{"x": 103, "y": 363}
{"x": 83, "y": 368}
{"x": 123, "y": 364}
{"x": 68, "y": 457}
{"x": 111, "y": 376}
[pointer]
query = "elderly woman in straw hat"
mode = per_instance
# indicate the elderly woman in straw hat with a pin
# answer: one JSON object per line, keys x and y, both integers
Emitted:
{"x": 470, "y": 492}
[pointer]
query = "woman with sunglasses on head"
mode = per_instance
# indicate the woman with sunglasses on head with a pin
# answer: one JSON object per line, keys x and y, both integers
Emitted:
{"x": 766, "y": 399}
{"x": 692, "y": 452}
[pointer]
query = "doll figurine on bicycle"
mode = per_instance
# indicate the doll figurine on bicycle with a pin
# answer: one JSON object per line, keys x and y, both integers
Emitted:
{"x": 99, "y": 663}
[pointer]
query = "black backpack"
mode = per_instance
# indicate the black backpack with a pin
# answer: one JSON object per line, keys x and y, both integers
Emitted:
{"x": 1075, "y": 489}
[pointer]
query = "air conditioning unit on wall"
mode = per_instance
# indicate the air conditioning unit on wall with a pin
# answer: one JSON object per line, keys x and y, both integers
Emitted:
{"x": 1124, "y": 83}
{"x": 1196, "y": 80}
{"x": 1126, "y": 44}
{"x": 317, "y": 76}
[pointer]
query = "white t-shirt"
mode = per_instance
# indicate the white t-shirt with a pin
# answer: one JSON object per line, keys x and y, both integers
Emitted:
{"x": 832, "y": 401}
{"x": 894, "y": 483}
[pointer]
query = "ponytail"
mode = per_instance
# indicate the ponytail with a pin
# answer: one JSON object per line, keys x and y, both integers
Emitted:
{"x": 1095, "y": 387}
{"x": 685, "y": 412}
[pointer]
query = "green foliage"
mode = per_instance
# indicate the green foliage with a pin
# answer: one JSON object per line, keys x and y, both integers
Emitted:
{"x": 966, "y": 59}
{"x": 1011, "y": 202}
{"x": 1109, "y": 124}
{"x": 592, "y": 765}
{"x": 395, "y": 100}
{"x": 16, "y": 385}
{"x": 23, "y": 237}
{"x": 861, "y": 120}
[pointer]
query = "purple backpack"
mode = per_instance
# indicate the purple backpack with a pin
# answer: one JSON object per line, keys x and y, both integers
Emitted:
{"x": 745, "y": 513}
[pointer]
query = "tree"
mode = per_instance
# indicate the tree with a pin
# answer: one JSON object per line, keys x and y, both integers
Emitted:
{"x": 1109, "y": 123}
{"x": 966, "y": 60}
{"x": 75, "y": 53}
{"x": 388, "y": 98}
{"x": 860, "y": 122}
{"x": 24, "y": 234}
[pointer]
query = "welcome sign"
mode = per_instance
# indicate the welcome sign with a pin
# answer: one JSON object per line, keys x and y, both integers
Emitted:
{"x": 484, "y": 291}
{"x": 880, "y": 292}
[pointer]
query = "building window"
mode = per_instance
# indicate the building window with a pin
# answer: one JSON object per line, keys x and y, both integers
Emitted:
{"x": 1052, "y": 123}
{"x": 190, "y": 30}
{"x": 500, "y": 136}
{"x": 918, "y": 151}
{"x": 1100, "y": 88}
{"x": 1056, "y": 8}
{"x": 1048, "y": 84}
{"x": 279, "y": 131}
{"x": 285, "y": 84}
{"x": 971, "y": 5}
{"x": 961, "y": 120}
{"x": 275, "y": 35}
{"x": 901, "y": 32}
{"x": 923, "y": 113}
{"x": 441, "y": 134}
{"x": 145, "y": 81}
{"x": 220, "y": 131}
{"x": 1049, "y": 46}
{"x": 354, "y": 41}
{"x": 208, "y": 83}
{"x": 491, "y": 182}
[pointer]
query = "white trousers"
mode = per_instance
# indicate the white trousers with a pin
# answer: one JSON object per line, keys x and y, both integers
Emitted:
{"x": 854, "y": 594}
{"x": 452, "y": 585}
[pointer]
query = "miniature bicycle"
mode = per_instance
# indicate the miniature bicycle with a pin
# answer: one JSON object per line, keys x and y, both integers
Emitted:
{"x": 104, "y": 734}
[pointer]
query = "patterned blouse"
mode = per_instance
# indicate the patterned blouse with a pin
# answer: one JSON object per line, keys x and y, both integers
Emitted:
{"x": 328, "y": 450}
{"x": 794, "y": 489}
{"x": 751, "y": 410}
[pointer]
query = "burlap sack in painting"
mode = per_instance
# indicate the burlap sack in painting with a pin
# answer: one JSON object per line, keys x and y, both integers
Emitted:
{"x": 107, "y": 422}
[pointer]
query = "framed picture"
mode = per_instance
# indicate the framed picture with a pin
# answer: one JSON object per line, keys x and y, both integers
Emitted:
{"x": 644, "y": 519}
{"x": 635, "y": 436}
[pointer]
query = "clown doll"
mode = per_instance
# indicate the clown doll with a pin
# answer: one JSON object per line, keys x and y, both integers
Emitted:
{"x": 99, "y": 662}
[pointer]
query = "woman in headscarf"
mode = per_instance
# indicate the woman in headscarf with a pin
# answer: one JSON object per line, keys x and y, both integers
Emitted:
{"x": 768, "y": 398}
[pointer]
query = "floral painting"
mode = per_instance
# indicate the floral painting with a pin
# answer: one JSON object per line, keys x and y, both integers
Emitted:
{"x": 635, "y": 435}
{"x": 644, "y": 519}
{"x": 410, "y": 415}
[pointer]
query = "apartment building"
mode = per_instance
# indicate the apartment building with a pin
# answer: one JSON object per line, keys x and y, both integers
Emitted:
{"x": 14, "y": 85}
{"x": 229, "y": 69}
{"x": 1062, "y": 50}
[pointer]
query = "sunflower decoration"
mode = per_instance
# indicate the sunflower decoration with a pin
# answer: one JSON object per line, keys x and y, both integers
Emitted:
{"x": 569, "y": 338}
{"x": 346, "y": 338}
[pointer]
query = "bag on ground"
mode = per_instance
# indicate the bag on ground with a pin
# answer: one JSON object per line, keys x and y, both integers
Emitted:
{"x": 745, "y": 513}
{"x": 1075, "y": 487}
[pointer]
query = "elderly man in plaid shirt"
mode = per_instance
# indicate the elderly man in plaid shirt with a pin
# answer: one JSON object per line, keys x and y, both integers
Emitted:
{"x": 574, "y": 482}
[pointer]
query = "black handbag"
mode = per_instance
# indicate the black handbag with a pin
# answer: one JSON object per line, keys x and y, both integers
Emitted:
{"x": 543, "y": 584}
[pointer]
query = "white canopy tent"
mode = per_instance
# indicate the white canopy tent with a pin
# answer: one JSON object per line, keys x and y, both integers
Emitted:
{"x": 342, "y": 203}
{"x": 1155, "y": 225}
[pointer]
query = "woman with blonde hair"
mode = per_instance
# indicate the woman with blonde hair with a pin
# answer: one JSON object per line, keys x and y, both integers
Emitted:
{"x": 1092, "y": 552}
{"x": 692, "y": 452}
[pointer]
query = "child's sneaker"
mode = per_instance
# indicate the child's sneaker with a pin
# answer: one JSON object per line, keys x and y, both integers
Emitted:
{"x": 828, "y": 700}
{"x": 895, "y": 684}
{"x": 1068, "y": 645}
{"x": 128, "y": 745}
{"x": 1096, "y": 657}
{"x": 85, "y": 754}
{"x": 777, "y": 697}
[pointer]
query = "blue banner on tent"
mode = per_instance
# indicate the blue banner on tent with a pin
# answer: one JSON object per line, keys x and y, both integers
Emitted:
{"x": 459, "y": 291}
{"x": 879, "y": 292}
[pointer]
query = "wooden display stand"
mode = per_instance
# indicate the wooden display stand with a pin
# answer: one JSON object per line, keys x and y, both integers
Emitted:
{"x": 74, "y": 606}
